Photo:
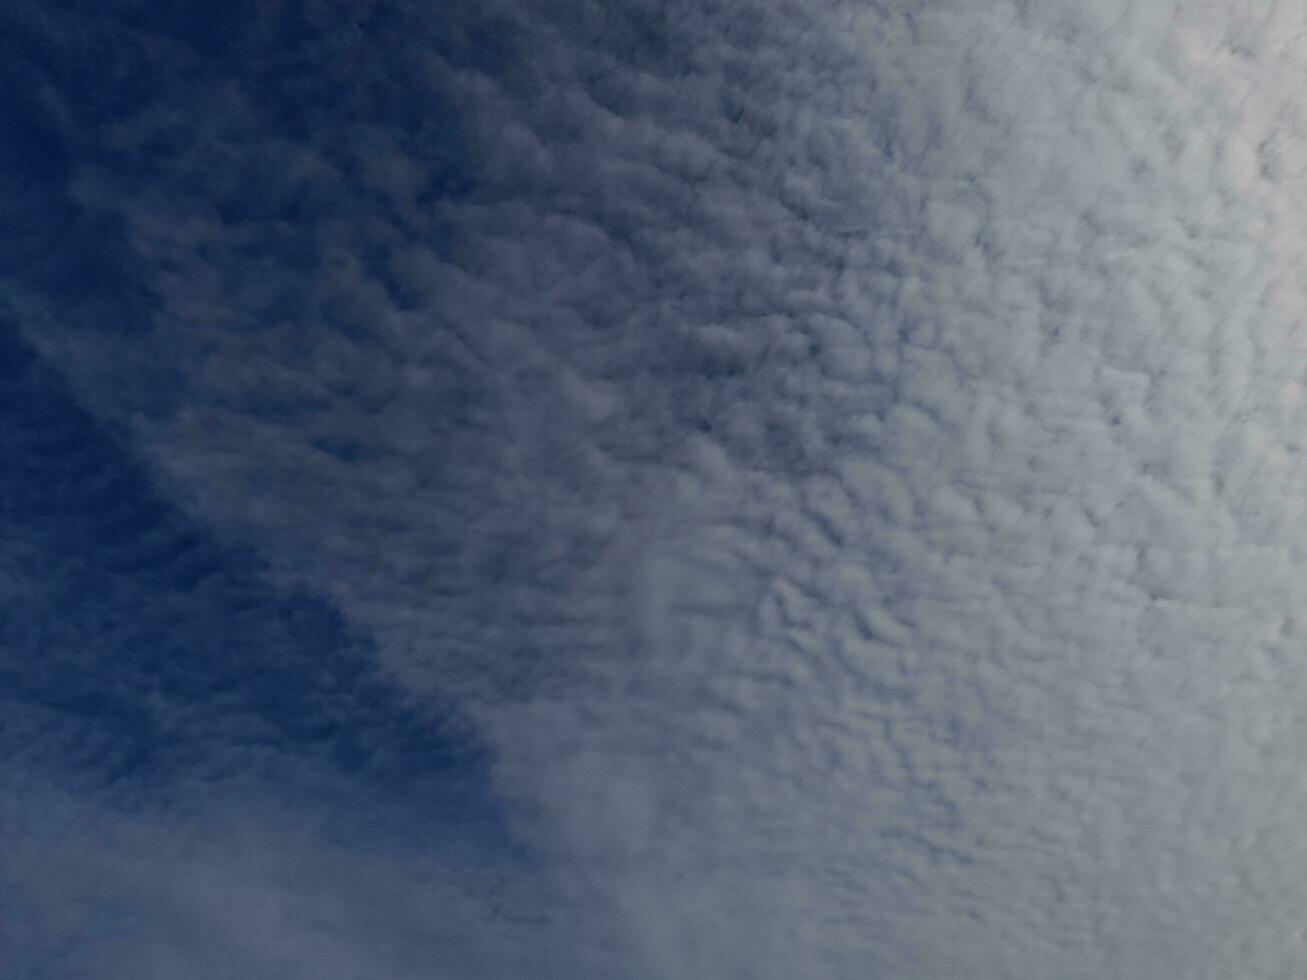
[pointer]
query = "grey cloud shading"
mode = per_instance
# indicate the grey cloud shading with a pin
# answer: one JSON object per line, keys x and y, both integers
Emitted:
{"x": 844, "y": 459}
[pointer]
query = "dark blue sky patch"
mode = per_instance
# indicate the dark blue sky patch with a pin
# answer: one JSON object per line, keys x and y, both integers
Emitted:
{"x": 60, "y": 84}
{"x": 210, "y": 109}
{"x": 137, "y": 652}
{"x": 150, "y": 672}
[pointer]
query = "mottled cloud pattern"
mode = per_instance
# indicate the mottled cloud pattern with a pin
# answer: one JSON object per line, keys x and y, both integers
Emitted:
{"x": 841, "y": 465}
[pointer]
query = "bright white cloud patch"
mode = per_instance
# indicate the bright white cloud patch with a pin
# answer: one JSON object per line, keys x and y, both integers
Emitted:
{"x": 848, "y": 459}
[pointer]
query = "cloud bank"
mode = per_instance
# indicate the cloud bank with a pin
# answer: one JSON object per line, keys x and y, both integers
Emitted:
{"x": 843, "y": 461}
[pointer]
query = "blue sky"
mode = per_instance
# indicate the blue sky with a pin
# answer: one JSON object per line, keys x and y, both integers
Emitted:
{"x": 158, "y": 683}
{"x": 616, "y": 490}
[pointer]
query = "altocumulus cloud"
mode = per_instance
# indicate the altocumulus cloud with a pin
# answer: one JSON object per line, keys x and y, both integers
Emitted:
{"x": 841, "y": 461}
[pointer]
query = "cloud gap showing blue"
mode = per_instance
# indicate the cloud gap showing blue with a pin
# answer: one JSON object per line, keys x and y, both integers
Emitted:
{"x": 150, "y": 654}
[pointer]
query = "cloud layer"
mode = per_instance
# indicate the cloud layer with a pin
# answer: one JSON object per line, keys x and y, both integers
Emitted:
{"x": 845, "y": 461}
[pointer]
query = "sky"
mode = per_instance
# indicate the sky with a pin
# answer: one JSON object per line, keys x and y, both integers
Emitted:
{"x": 624, "y": 491}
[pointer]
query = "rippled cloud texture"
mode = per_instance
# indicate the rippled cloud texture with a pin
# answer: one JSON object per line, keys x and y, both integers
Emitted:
{"x": 752, "y": 490}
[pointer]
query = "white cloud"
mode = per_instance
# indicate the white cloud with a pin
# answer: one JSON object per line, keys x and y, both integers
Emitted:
{"x": 849, "y": 462}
